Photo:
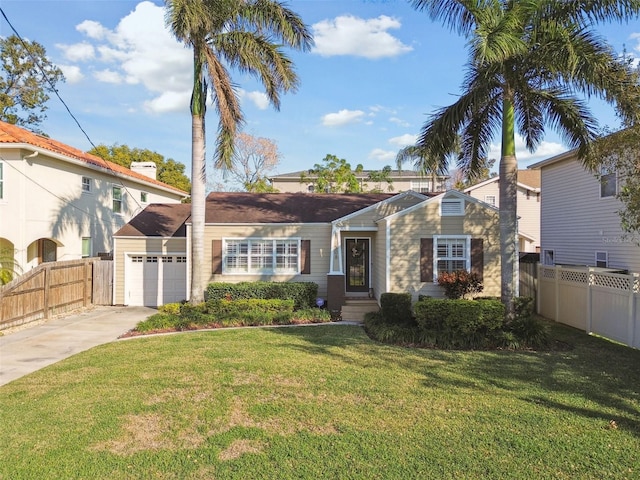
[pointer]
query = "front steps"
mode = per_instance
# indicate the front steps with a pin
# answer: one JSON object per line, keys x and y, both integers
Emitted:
{"x": 354, "y": 308}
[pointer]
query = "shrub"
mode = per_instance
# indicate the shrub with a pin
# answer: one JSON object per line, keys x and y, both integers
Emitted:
{"x": 396, "y": 308}
{"x": 311, "y": 315}
{"x": 303, "y": 294}
{"x": 170, "y": 308}
{"x": 381, "y": 330}
{"x": 460, "y": 283}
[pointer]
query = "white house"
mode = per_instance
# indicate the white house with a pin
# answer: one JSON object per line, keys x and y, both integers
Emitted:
{"x": 60, "y": 203}
{"x": 580, "y": 223}
{"x": 528, "y": 205}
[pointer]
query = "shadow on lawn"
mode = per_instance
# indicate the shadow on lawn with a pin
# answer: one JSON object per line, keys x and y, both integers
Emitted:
{"x": 596, "y": 379}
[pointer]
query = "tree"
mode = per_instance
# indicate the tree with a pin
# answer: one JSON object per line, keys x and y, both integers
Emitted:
{"x": 378, "y": 177}
{"x": 26, "y": 78}
{"x": 252, "y": 159}
{"x": 334, "y": 175}
{"x": 528, "y": 64}
{"x": 423, "y": 162}
{"x": 243, "y": 34}
{"x": 167, "y": 170}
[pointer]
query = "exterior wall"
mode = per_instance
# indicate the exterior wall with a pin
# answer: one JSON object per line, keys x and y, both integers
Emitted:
{"x": 319, "y": 234}
{"x": 577, "y": 225}
{"x": 124, "y": 246}
{"x": 400, "y": 184}
{"x": 407, "y": 230}
{"x": 43, "y": 198}
{"x": 379, "y": 255}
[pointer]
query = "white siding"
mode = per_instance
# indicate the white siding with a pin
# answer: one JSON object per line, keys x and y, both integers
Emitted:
{"x": 576, "y": 222}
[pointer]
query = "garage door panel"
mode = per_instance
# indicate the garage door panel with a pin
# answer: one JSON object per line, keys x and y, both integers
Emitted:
{"x": 156, "y": 279}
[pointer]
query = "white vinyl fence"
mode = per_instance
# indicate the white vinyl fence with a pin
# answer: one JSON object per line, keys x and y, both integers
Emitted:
{"x": 593, "y": 300}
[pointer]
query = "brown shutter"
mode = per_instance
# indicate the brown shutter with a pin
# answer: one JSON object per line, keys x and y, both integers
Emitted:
{"x": 477, "y": 257}
{"x": 216, "y": 256}
{"x": 426, "y": 259}
{"x": 305, "y": 256}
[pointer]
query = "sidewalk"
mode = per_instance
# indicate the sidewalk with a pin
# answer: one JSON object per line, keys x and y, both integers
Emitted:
{"x": 33, "y": 347}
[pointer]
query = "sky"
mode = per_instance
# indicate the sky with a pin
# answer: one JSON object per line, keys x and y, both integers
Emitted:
{"x": 378, "y": 70}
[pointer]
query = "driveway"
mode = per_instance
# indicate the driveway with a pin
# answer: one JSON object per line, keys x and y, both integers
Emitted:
{"x": 32, "y": 347}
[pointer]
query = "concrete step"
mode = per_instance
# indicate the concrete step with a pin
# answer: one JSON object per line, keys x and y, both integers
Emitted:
{"x": 354, "y": 309}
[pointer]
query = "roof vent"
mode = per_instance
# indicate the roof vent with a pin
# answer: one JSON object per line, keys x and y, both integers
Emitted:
{"x": 148, "y": 169}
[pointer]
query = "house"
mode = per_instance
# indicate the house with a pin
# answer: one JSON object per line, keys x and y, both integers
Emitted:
{"x": 60, "y": 203}
{"x": 528, "y": 211}
{"x": 401, "y": 181}
{"x": 350, "y": 245}
{"x": 580, "y": 223}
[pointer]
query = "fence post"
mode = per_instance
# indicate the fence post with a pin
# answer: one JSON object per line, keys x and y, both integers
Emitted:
{"x": 47, "y": 280}
{"x": 557, "y": 288}
{"x": 538, "y": 293}
{"x": 590, "y": 279}
{"x": 632, "y": 309}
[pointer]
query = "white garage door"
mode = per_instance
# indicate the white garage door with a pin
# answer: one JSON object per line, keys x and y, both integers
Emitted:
{"x": 154, "y": 280}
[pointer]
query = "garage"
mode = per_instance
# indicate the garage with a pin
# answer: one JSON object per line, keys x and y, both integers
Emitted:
{"x": 153, "y": 280}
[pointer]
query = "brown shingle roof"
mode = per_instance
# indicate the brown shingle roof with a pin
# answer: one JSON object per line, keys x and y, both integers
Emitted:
{"x": 13, "y": 134}
{"x": 241, "y": 207}
{"x": 158, "y": 220}
{"x": 530, "y": 178}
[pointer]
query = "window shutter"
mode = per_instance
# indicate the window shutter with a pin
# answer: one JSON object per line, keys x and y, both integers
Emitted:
{"x": 477, "y": 257}
{"x": 426, "y": 259}
{"x": 305, "y": 256}
{"x": 216, "y": 256}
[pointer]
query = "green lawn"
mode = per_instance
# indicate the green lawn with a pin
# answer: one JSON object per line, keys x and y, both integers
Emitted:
{"x": 322, "y": 402}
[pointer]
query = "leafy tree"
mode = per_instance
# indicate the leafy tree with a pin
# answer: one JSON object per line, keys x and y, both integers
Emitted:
{"x": 423, "y": 162}
{"x": 167, "y": 170}
{"x": 243, "y": 34}
{"x": 26, "y": 78}
{"x": 252, "y": 159}
{"x": 9, "y": 268}
{"x": 334, "y": 175}
{"x": 528, "y": 62}
{"x": 379, "y": 177}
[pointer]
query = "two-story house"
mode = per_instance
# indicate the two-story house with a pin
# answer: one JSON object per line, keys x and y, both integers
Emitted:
{"x": 579, "y": 217}
{"x": 528, "y": 211}
{"x": 60, "y": 203}
{"x": 400, "y": 181}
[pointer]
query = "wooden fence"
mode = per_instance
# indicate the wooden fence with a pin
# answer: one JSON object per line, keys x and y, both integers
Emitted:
{"x": 54, "y": 288}
{"x": 593, "y": 300}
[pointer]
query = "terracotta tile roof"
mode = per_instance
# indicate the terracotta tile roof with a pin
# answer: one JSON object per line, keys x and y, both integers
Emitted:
{"x": 158, "y": 220}
{"x": 13, "y": 134}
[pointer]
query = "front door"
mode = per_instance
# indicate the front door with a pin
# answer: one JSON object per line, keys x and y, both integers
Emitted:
{"x": 357, "y": 264}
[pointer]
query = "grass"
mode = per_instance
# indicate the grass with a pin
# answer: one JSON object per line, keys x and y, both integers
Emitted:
{"x": 324, "y": 402}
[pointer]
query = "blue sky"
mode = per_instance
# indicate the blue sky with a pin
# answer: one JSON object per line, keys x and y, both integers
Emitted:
{"x": 378, "y": 69}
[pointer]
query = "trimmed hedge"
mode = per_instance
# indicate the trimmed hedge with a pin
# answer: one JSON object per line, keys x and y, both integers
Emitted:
{"x": 303, "y": 294}
{"x": 396, "y": 308}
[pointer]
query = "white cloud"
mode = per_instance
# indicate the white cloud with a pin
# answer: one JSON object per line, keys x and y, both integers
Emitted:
{"x": 92, "y": 29}
{"x": 399, "y": 121}
{"x": 349, "y": 35}
{"x": 404, "y": 140}
{"x": 108, "y": 76}
{"x": 545, "y": 150}
{"x": 259, "y": 99}
{"x": 169, "y": 102}
{"x": 78, "y": 52}
{"x": 343, "y": 117}
{"x": 381, "y": 155}
{"x": 72, "y": 73}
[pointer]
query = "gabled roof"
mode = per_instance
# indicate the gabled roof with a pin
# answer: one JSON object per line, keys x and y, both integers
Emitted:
{"x": 158, "y": 220}
{"x": 16, "y": 137}
{"x": 527, "y": 179}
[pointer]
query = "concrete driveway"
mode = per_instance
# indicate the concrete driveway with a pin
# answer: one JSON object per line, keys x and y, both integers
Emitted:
{"x": 32, "y": 347}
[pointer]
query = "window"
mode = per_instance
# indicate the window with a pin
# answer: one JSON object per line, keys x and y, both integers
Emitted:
{"x": 421, "y": 186}
{"x": 1, "y": 181}
{"x": 144, "y": 197}
{"x": 602, "y": 259}
{"x": 86, "y": 185}
{"x": 547, "y": 258}
{"x": 116, "y": 193}
{"x": 490, "y": 199}
{"x": 258, "y": 255}
{"x": 608, "y": 184}
{"x": 451, "y": 207}
{"x": 451, "y": 254}
{"x": 86, "y": 247}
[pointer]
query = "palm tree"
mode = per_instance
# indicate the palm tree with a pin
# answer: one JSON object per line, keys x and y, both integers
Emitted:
{"x": 422, "y": 162}
{"x": 242, "y": 34}
{"x": 529, "y": 63}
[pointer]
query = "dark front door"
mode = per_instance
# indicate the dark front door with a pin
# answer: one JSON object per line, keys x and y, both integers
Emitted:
{"x": 357, "y": 264}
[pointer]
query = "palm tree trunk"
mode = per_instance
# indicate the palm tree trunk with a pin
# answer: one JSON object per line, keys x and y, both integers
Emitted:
{"x": 508, "y": 209}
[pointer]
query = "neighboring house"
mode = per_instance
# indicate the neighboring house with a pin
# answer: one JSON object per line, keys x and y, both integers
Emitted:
{"x": 528, "y": 205}
{"x": 402, "y": 181}
{"x": 580, "y": 223}
{"x": 59, "y": 203}
{"x": 351, "y": 245}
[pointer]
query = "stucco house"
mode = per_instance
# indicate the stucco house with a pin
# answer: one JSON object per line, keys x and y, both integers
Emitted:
{"x": 352, "y": 246}
{"x": 529, "y": 198}
{"x": 402, "y": 181}
{"x": 580, "y": 223}
{"x": 60, "y": 203}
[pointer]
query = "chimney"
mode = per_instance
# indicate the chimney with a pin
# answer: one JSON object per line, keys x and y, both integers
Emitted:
{"x": 148, "y": 169}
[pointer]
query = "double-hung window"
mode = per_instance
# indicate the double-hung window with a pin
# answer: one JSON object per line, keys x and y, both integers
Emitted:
{"x": 116, "y": 193}
{"x": 1, "y": 181}
{"x": 86, "y": 185}
{"x": 452, "y": 253}
{"x": 261, "y": 255}
{"x": 608, "y": 183}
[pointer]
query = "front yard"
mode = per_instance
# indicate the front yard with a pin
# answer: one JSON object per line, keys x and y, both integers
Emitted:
{"x": 324, "y": 402}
